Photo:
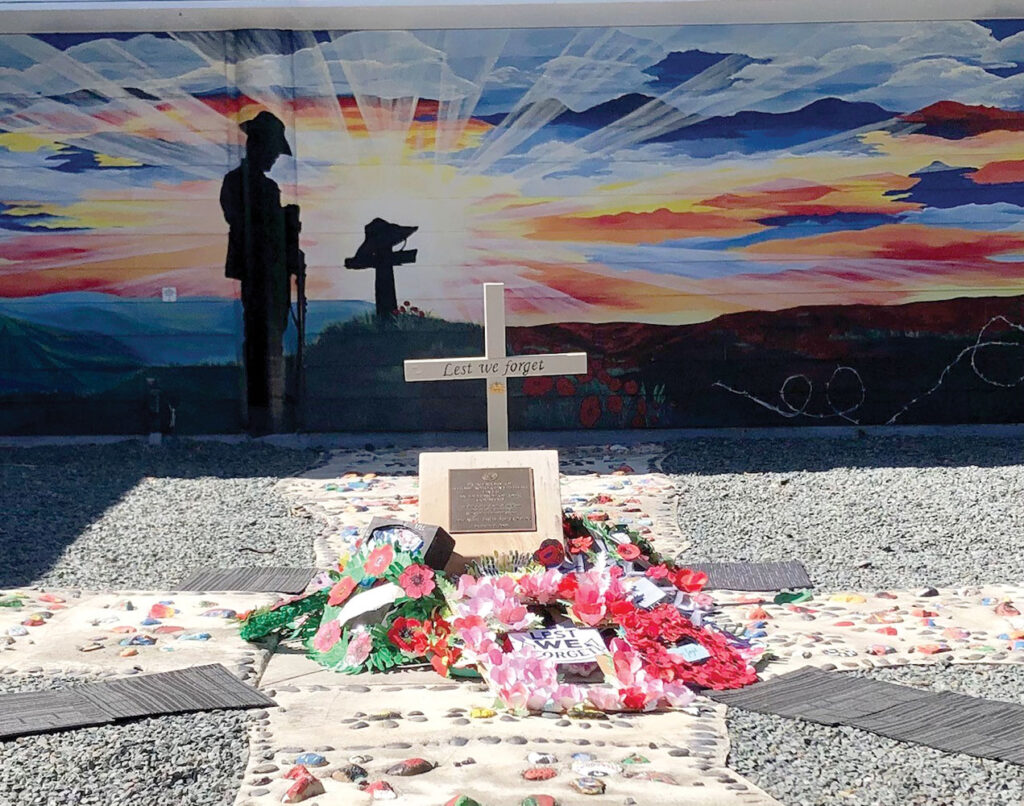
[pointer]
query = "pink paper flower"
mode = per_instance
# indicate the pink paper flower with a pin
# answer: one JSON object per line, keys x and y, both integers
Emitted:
{"x": 541, "y": 588}
{"x": 604, "y": 698}
{"x": 379, "y": 560}
{"x": 677, "y": 695}
{"x": 327, "y": 636}
{"x": 567, "y": 697}
{"x": 341, "y": 591}
{"x": 417, "y": 581}
{"x": 359, "y": 646}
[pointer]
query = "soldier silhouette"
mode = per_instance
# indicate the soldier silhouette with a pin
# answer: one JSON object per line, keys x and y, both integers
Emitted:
{"x": 263, "y": 252}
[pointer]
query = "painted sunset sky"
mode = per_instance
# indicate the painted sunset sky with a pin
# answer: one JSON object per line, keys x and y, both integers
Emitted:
{"x": 664, "y": 175}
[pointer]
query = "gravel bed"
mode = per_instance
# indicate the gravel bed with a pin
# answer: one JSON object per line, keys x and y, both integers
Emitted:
{"x": 131, "y": 516}
{"x": 865, "y": 514}
{"x": 800, "y": 763}
{"x": 187, "y": 760}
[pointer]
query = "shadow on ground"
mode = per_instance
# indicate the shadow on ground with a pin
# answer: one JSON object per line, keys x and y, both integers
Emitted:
{"x": 50, "y": 495}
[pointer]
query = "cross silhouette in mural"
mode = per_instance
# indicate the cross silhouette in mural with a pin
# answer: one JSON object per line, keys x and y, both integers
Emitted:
{"x": 377, "y": 251}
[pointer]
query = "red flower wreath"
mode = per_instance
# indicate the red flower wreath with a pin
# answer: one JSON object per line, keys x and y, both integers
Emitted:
{"x": 652, "y": 632}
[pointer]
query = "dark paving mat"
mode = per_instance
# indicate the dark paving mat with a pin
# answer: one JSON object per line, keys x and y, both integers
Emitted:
{"x": 255, "y": 580}
{"x": 775, "y": 576}
{"x": 201, "y": 688}
{"x": 45, "y": 711}
{"x": 947, "y": 721}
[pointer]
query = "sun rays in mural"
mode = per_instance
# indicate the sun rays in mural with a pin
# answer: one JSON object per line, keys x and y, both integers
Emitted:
{"x": 649, "y": 174}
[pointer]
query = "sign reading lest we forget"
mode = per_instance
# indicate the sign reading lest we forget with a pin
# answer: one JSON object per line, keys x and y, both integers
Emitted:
{"x": 562, "y": 644}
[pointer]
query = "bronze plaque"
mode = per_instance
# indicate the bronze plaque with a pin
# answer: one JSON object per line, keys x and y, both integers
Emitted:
{"x": 491, "y": 499}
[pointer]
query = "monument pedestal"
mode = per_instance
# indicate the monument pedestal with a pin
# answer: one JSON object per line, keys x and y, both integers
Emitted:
{"x": 491, "y": 501}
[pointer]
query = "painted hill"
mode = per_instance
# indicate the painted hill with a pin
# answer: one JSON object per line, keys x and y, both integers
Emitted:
{"x": 40, "y": 359}
{"x": 954, "y": 121}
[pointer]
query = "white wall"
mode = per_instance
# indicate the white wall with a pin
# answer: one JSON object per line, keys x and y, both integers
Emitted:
{"x": 28, "y": 16}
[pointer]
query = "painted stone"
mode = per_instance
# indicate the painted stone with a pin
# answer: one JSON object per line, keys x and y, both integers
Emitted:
{"x": 138, "y": 640}
{"x": 128, "y": 652}
{"x": 35, "y": 620}
{"x": 482, "y": 713}
{"x": 51, "y": 597}
{"x": 634, "y": 758}
{"x": 847, "y": 598}
{"x": 350, "y": 774}
{"x": 411, "y": 766}
{"x": 462, "y": 800}
{"x": 194, "y": 636}
{"x": 1006, "y": 609}
{"x": 881, "y": 649}
{"x": 222, "y": 612}
{"x": 360, "y": 759}
{"x": 305, "y": 786}
{"x": 124, "y": 629}
{"x": 596, "y": 769}
{"x": 17, "y": 631}
{"x": 538, "y": 800}
{"x": 162, "y": 611}
{"x": 932, "y": 649}
{"x": 11, "y": 601}
{"x": 381, "y": 790}
{"x": 926, "y": 592}
{"x": 791, "y": 598}
{"x": 658, "y": 777}
{"x": 588, "y": 786}
{"x": 149, "y": 621}
{"x": 542, "y": 758}
{"x": 311, "y": 760}
{"x": 90, "y": 647}
{"x": 123, "y": 604}
{"x": 168, "y": 629}
{"x": 540, "y": 773}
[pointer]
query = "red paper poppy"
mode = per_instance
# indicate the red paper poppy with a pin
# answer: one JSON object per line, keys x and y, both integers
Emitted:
{"x": 341, "y": 591}
{"x": 379, "y": 560}
{"x": 550, "y": 554}
{"x": 689, "y": 581}
{"x": 565, "y": 387}
{"x": 417, "y": 581}
{"x": 628, "y": 551}
{"x": 614, "y": 404}
{"x": 580, "y": 545}
{"x": 631, "y": 388}
{"x": 658, "y": 572}
{"x": 404, "y": 634}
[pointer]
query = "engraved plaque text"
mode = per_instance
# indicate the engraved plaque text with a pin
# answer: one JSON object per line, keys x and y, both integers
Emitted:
{"x": 491, "y": 499}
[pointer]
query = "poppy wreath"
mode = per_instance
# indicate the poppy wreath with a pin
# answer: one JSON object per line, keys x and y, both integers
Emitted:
{"x": 648, "y": 675}
{"x": 420, "y": 633}
{"x": 652, "y": 633}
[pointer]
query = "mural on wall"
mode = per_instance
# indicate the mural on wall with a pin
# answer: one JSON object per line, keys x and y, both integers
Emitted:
{"x": 741, "y": 224}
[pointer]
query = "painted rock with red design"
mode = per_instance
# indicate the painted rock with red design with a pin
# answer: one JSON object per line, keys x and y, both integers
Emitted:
{"x": 411, "y": 766}
{"x": 540, "y": 773}
{"x": 305, "y": 786}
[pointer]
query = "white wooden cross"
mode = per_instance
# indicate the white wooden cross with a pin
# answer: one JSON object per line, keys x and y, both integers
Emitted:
{"x": 495, "y": 367}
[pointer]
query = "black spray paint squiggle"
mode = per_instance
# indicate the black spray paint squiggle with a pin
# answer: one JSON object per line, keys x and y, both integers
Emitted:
{"x": 787, "y": 408}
